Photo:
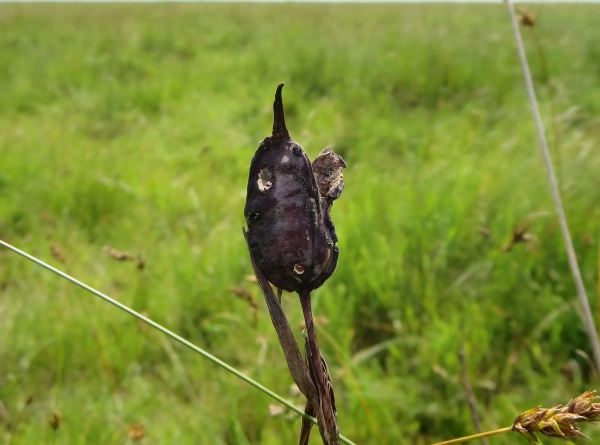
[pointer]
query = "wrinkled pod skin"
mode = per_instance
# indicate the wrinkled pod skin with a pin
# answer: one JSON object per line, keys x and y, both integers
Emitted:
{"x": 290, "y": 232}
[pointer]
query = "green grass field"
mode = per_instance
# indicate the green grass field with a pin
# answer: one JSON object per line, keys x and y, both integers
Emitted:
{"x": 132, "y": 126}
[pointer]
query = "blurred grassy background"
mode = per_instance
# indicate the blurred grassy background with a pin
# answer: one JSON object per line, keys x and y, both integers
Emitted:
{"x": 132, "y": 126}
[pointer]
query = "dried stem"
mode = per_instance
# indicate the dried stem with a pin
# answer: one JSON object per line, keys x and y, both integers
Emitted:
{"x": 293, "y": 357}
{"x": 557, "y": 150}
{"x": 589, "y": 320}
{"x": 469, "y": 392}
{"x": 476, "y": 436}
{"x": 313, "y": 344}
{"x": 309, "y": 375}
{"x": 320, "y": 374}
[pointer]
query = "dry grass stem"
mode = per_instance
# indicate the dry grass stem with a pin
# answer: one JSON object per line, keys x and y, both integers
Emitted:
{"x": 469, "y": 395}
{"x": 475, "y": 436}
{"x": 528, "y": 20}
{"x": 562, "y": 219}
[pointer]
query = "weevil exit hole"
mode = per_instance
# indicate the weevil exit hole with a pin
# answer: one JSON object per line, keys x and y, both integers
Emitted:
{"x": 265, "y": 180}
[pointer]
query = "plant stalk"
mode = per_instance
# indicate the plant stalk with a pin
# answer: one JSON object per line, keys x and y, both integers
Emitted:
{"x": 476, "y": 436}
{"x": 469, "y": 395}
{"x": 562, "y": 219}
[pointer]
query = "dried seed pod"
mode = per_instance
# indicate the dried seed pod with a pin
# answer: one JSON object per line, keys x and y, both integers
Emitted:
{"x": 290, "y": 232}
{"x": 328, "y": 168}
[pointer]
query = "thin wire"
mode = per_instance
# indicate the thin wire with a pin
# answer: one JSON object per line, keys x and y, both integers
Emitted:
{"x": 562, "y": 219}
{"x": 165, "y": 331}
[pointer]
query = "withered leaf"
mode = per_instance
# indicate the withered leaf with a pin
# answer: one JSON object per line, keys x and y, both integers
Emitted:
{"x": 136, "y": 432}
{"x": 55, "y": 420}
{"x": 117, "y": 255}
{"x": 520, "y": 234}
{"x": 244, "y": 294}
{"x": 57, "y": 253}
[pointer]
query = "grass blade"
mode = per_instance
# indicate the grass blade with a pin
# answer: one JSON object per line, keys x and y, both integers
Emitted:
{"x": 167, "y": 332}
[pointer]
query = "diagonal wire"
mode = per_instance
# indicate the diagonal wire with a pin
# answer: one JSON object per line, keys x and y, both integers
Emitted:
{"x": 168, "y": 333}
{"x": 562, "y": 219}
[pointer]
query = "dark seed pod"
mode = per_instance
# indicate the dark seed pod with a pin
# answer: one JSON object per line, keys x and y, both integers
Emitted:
{"x": 290, "y": 232}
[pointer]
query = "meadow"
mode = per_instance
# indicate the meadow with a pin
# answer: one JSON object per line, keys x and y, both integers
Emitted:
{"x": 131, "y": 127}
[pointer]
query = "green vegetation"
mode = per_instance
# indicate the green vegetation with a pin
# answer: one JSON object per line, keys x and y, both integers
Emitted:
{"x": 132, "y": 126}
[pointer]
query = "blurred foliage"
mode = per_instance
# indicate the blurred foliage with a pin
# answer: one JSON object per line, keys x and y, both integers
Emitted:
{"x": 132, "y": 126}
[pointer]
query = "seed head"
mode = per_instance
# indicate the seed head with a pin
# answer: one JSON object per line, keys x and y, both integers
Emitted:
{"x": 559, "y": 421}
{"x": 526, "y": 18}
